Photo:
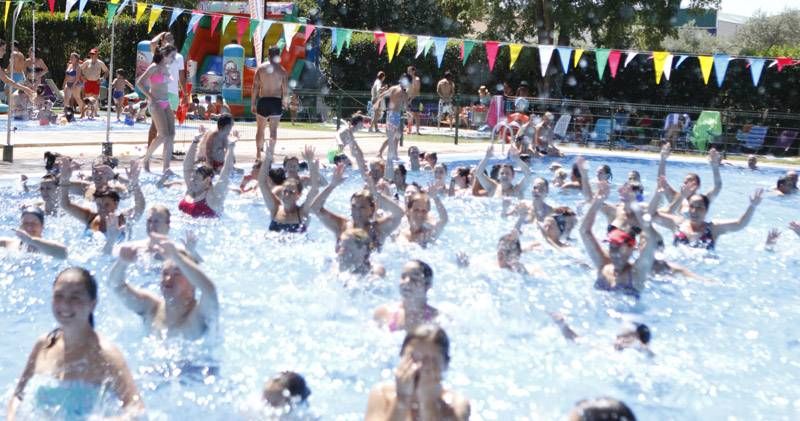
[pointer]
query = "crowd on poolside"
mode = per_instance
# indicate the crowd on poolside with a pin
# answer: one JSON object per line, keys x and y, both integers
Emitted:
{"x": 387, "y": 208}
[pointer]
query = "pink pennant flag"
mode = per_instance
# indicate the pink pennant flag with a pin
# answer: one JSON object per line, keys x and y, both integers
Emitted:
{"x": 782, "y": 62}
{"x": 242, "y": 24}
{"x": 52, "y": 4}
{"x": 380, "y": 38}
{"x": 309, "y": 31}
{"x": 613, "y": 62}
{"x": 491, "y": 52}
{"x": 214, "y": 21}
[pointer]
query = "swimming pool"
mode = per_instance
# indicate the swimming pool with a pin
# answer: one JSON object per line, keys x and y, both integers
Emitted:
{"x": 727, "y": 348}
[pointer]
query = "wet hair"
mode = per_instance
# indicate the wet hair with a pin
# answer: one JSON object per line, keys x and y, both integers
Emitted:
{"x": 288, "y": 158}
{"x": 161, "y": 209}
{"x": 636, "y": 174}
{"x": 107, "y": 192}
{"x": 546, "y": 183}
{"x": 356, "y": 118}
{"x": 224, "y": 121}
{"x": 418, "y": 196}
{"x": 509, "y": 166}
{"x": 50, "y": 160}
{"x": 643, "y": 332}
{"x": 277, "y": 175}
{"x": 694, "y": 177}
{"x": 442, "y": 165}
{"x": 576, "y": 172}
{"x": 607, "y": 170}
{"x": 603, "y": 408}
{"x": 273, "y": 52}
{"x": 291, "y": 382}
{"x": 204, "y": 170}
{"x": 782, "y": 181}
{"x": 493, "y": 174}
{"x": 564, "y": 210}
{"x": 433, "y": 156}
{"x": 163, "y": 52}
{"x": 706, "y": 201}
{"x": 463, "y": 171}
{"x": 340, "y": 158}
{"x": 402, "y": 170}
{"x": 88, "y": 282}
{"x": 429, "y": 333}
{"x": 448, "y": 75}
{"x": 510, "y": 243}
{"x": 295, "y": 182}
{"x": 35, "y": 211}
{"x": 218, "y": 98}
{"x": 427, "y": 271}
{"x": 364, "y": 194}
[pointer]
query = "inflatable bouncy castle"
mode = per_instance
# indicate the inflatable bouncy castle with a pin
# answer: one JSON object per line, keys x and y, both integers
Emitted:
{"x": 222, "y": 61}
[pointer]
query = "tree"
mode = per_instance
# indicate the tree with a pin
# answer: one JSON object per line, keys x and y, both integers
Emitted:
{"x": 762, "y": 33}
{"x": 691, "y": 39}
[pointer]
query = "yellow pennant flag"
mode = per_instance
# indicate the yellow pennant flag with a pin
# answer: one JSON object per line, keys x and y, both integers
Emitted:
{"x": 705, "y": 65}
{"x": 514, "y": 50}
{"x": 5, "y": 15}
{"x": 391, "y": 44}
{"x": 155, "y": 12}
{"x": 114, "y": 1}
{"x": 658, "y": 63}
{"x": 401, "y": 41}
{"x": 577, "y": 57}
{"x": 140, "y": 9}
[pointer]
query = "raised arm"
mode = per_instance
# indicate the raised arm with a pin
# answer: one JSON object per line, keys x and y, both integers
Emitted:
{"x": 590, "y": 243}
{"x": 480, "y": 173}
{"x": 313, "y": 165}
{"x": 714, "y": 159}
{"x": 438, "y": 228}
{"x": 265, "y": 183}
{"x": 330, "y": 220}
{"x": 138, "y": 198}
{"x": 220, "y": 189}
{"x": 586, "y": 184}
{"x": 50, "y": 248}
{"x": 135, "y": 299}
{"x": 519, "y": 188}
{"x": 669, "y": 192}
{"x": 78, "y": 212}
{"x": 647, "y": 255}
{"x": 719, "y": 228}
{"x": 209, "y": 301}
{"x": 389, "y": 223}
{"x": 358, "y": 154}
{"x": 667, "y": 218}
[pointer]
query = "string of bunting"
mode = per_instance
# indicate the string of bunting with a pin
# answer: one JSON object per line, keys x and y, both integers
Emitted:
{"x": 393, "y": 43}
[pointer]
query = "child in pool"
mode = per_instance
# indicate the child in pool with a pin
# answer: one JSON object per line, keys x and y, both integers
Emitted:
{"x": 91, "y": 108}
{"x": 45, "y": 113}
{"x": 118, "y": 90}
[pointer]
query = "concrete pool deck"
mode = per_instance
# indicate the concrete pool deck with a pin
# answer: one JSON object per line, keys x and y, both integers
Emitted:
{"x": 29, "y": 147}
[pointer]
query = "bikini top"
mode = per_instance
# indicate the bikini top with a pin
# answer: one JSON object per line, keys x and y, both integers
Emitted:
{"x": 706, "y": 240}
{"x": 71, "y": 73}
{"x": 394, "y": 324}
{"x": 294, "y": 227}
{"x": 68, "y": 400}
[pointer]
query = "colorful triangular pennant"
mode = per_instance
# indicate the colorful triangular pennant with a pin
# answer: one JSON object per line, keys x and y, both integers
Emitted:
{"x": 513, "y": 52}
{"x": 613, "y": 62}
{"x": 668, "y": 66}
{"x": 67, "y": 7}
{"x": 601, "y": 55}
{"x": 242, "y": 26}
{"x": 545, "y": 54}
{"x": 681, "y": 59}
{"x": 720, "y": 67}
{"x": 440, "y": 43}
{"x": 423, "y": 41}
{"x": 193, "y": 22}
{"x": 563, "y": 55}
{"x": 756, "y": 67}
{"x": 629, "y": 56}
{"x": 577, "y": 57}
{"x": 155, "y": 12}
{"x": 705, "y": 66}
{"x": 391, "y": 44}
{"x": 491, "y": 52}
{"x": 466, "y": 50}
{"x": 401, "y": 42}
{"x": 380, "y": 38}
{"x": 289, "y": 29}
{"x": 226, "y": 20}
{"x": 341, "y": 38}
{"x": 308, "y": 31}
{"x": 111, "y": 11}
{"x": 141, "y": 7}
{"x": 175, "y": 13}
{"x": 214, "y": 22}
{"x": 658, "y": 64}
{"x": 81, "y": 6}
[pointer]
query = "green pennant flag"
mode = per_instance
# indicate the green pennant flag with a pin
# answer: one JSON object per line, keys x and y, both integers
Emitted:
{"x": 341, "y": 38}
{"x": 466, "y": 49}
{"x": 111, "y": 12}
{"x": 226, "y": 19}
{"x": 347, "y": 38}
{"x": 601, "y": 54}
{"x": 428, "y": 45}
{"x": 253, "y": 26}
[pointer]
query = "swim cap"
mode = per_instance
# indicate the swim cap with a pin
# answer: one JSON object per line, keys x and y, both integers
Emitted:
{"x": 619, "y": 237}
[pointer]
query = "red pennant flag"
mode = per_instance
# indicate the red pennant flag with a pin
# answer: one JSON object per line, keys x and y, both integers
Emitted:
{"x": 613, "y": 62}
{"x": 783, "y": 61}
{"x": 380, "y": 38}
{"x": 242, "y": 24}
{"x": 491, "y": 52}
{"x": 214, "y": 21}
{"x": 52, "y": 4}
{"x": 309, "y": 31}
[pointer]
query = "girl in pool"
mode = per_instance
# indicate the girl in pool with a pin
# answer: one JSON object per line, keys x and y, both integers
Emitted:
{"x": 440, "y": 176}
{"x": 420, "y": 230}
{"x": 460, "y": 182}
{"x": 286, "y": 214}
{"x": 178, "y": 312}
{"x": 504, "y": 186}
{"x": 353, "y": 249}
{"x": 107, "y": 201}
{"x": 576, "y": 178}
{"x": 692, "y": 180}
{"x": 158, "y": 222}
{"x": 417, "y": 392}
{"x": 285, "y": 392}
{"x": 413, "y": 310}
{"x": 614, "y": 270}
{"x": 154, "y": 83}
{"x": 693, "y": 230}
{"x": 603, "y": 175}
{"x": 204, "y": 198}
{"x": 29, "y": 236}
{"x": 77, "y": 366}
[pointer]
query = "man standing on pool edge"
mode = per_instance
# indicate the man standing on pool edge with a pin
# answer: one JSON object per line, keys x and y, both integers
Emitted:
{"x": 92, "y": 71}
{"x": 269, "y": 97}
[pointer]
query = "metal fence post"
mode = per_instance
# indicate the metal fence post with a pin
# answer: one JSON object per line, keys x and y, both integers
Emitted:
{"x": 457, "y": 112}
{"x": 338, "y": 110}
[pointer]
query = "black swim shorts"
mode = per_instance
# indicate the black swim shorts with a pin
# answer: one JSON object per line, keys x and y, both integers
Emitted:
{"x": 269, "y": 106}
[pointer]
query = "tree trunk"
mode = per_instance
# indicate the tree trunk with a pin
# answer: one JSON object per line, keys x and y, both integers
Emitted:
{"x": 544, "y": 35}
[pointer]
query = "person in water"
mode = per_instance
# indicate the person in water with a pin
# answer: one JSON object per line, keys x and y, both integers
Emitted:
{"x": 107, "y": 202}
{"x": 634, "y": 336}
{"x": 417, "y": 391}
{"x": 353, "y": 250}
{"x": 601, "y": 409}
{"x": 178, "y": 312}
{"x": 158, "y": 221}
{"x": 413, "y": 310}
{"x": 204, "y": 198}
{"x": 504, "y": 186}
{"x": 214, "y": 145}
{"x": 286, "y": 214}
{"x": 615, "y": 272}
{"x": 420, "y": 229}
{"x": 692, "y": 180}
{"x": 286, "y": 391}
{"x": 29, "y": 236}
{"x": 78, "y": 365}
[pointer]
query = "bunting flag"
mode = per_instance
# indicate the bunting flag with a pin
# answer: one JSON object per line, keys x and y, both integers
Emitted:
{"x": 81, "y": 6}
{"x": 226, "y": 20}
{"x": 175, "y": 13}
{"x": 214, "y": 22}
{"x": 658, "y": 64}
{"x": 253, "y": 27}
{"x": 111, "y": 11}
{"x": 491, "y": 52}
{"x": 577, "y": 57}
{"x": 193, "y": 22}
{"x": 783, "y": 62}
{"x": 67, "y": 7}
{"x": 309, "y": 31}
{"x": 341, "y": 38}
{"x": 545, "y": 54}
{"x": 440, "y": 43}
{"x": 720, "y": 67}
{"x": 8, "y": 7}
{"x": 391, "y": 44}
{"x": 242, "y": 26}
{"x": 333, "y": 39}
{"x": 428, "y": 47}
{"x": 140, "y": 9}
{"x": 289, "y": 29}
{"x": 401, "y": 42}
{"x": 348, "y": 35}
{"x": 52, "y": 5}
{"x": 601, "y": 54}
{"x": 380, "y": 38}
{"x": 563, "y": 55}
{"x": 613, "y": 62}
{"x": 513, "y": 51}
{"x": 705, "y": 66}
{"x": 668, "y": 66}
{"x": 629, "y": 56}
{"x": 681, "y": 59}
{"x": 422, "y": 44}
{"x": 756, "y": 67}
{"x": 155, "y": 12}
{"x": 466, "y": 50}
{"x": 263, "y": 28}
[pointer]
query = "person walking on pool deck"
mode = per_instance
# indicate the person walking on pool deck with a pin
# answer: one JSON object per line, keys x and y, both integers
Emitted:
{"x": 413, "y": 93}
{"x": 269, "y": 97}
{"x": 177, "y": 83}
{"x": 92, "y": 71}
{"x": 398, "y": 100}
{"x": 154, "y": 83}
{"x": 177, "y": 312}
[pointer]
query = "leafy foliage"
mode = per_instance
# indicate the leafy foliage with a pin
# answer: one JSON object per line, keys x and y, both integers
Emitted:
{"x": 762, "y": 33}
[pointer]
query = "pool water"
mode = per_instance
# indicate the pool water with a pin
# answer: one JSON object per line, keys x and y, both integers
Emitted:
{"x": 727, "y": 349}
